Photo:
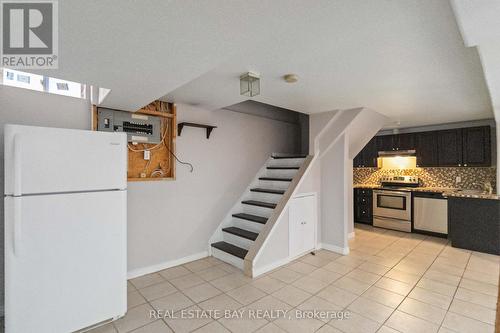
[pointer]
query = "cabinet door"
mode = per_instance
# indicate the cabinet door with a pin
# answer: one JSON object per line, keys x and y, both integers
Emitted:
{"x": 405, "y": 141}
{"x": 450, "y": 147}
{"x": 386, "y": 142}
{"x": 358, "y": 160}
{"x": 477, "y": 146}
{"x": 370, "y": 153}
{"x": 302, "y": 225}
{"x": 426, "y": 145}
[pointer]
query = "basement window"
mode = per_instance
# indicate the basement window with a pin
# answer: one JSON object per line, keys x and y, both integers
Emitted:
{"x": 14, "y": 78}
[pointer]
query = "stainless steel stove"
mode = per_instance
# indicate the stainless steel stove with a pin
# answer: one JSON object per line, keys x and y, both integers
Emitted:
{"x": 392, "y": 202}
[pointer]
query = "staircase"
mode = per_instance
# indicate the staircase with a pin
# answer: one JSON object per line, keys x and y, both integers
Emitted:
{"x": 242, "y": 226}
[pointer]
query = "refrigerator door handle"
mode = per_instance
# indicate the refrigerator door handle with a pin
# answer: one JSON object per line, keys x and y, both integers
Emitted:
{"x": 17, "y": 165}
{"x": 16, "y": 241}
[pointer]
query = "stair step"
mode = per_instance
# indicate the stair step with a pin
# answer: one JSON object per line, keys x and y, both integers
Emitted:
{"x": 250, "y": 217}
{"x": 241, "y": 233}
{"x": 267, "y": 190}
{"x": 231, "y": 249}
{"x": 283, "y": 168}
{"x": 259, "y": 203}
{"x": 276, "y": 179}
{"x": 288, "y": 156}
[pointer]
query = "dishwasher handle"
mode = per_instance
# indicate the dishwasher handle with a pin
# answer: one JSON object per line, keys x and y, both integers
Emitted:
{"x": 430, "y": 195}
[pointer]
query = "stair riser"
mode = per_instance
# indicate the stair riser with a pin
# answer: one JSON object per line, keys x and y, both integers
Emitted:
{"x": 266, "y": 197}
{"x": 281, "y": 173}
{"x": 286, "y": 162}
{"x": 237, "y": 240}
{"x": 274, "y": 184}
{"x": 226, "y": 257}
{"x": 247, "y": 225}
{"x": 256, "y": 210}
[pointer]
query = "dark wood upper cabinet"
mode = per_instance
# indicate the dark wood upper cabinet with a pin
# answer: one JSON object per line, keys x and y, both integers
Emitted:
{"x": 426, "y": 146}
{"x": 405, "y": 141}
{"x": 368, "y": 156}
{"x": 449, "y": 147}
{"x": 385, "y": 142}
{"x": 476, "y": 146}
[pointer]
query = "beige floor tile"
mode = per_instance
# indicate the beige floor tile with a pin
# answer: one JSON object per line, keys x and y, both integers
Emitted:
{"x": 147, "y": 280}
{"x": 422, "y": 310}
{"x": 352, "y": 285}
{"x": 291, "y": 295}
{"x": 109, "y": 328}
{"x": 269, "y": 303}
{"x": 355, "y": 324}
{"x": 462, "y": 324}
{"x": 201, "y": 292}
{"x": 337, "y": 296}
{"x": 484, "y": 265}
{"x": 349, "y": 261}
{"x": 228, "y": 268}
{"x": 338, "y": 268}
{"x": 218, "y": 304}
{"x": 243, "y": 324}
{"x": 298, "y": 325}
{"x": 158, "y": 326}
{"x": 442, "y": 277}
{"x": 188, "y": 320}
{"x": 374, "y": 268}
{"x": 481, "y": 287}
{"x": 437, "y": 287}
{"x": 315, "y": 260}
{"x": 212, "y": 273}
{"x": 371, "y": 309}
{"x": 157, "y": 291}
{"x": 389, "y": 262}
{"x": 316, "y": 303}
{"x": 406, "y": 323}
{"x": 448, "y": 269}
{"x": 270, "y": 328}
{"x": 213, "y": 327}
{"x": 309, "y": 284}
{"x": 476, "y": 298}
{"x": 187, "y": 281}
{"x": 328, "y": 329}
{"x": 411, "y": 267}
{"x": 268, "y": 284}
{"x": 325, "y": 275}
{"x": 174, "y": 302}
{"x": 174, "y": 272}
{"x": 327, "y": 254}
{"x": 386, "y": 329}
{"x": 363, "y": 276}
{"x": 229, "y": 282}
{"x": 134, "y": 298}
{"x": 301, "y": 267}
{"x": 473, "y": 311}
{"x": 384, "y": 297}
{"x": 198, "y": 265}
{"x": 130, "y": 287}
{"x": 460, "y": 263}
{"x": 397, "y": 287}
{"x": 432, "y": 298}
{"x": 481, "y": 277}
{"x": 286, "y": 275}
{"x": 401, "y": 276}
{"x": 246, "y": 294}
{"x": 135, "y": 318}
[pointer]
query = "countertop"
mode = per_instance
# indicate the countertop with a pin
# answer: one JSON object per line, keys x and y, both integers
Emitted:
{"x": 446, "y": 191}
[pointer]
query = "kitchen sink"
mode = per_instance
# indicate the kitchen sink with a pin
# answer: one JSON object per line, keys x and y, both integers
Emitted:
{"x": 471, "y": 192}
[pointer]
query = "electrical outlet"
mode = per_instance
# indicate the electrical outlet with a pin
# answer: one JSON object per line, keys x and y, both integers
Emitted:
{"x": 147, "y": 155}
{"x": 458, "y": 179}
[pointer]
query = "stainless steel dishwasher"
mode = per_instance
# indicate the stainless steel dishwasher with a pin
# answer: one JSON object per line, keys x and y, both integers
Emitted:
{"x": 430, "y": 212}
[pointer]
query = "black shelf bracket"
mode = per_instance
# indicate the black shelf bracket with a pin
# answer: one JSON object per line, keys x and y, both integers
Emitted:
{"x": 209, "y": 128}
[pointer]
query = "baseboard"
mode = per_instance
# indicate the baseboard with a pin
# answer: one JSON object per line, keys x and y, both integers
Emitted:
{"x": 158, "y": 267}
{"x": 351, "y": 235}
{"x": 270, "y": 267}
{"x": 335, "y": 248}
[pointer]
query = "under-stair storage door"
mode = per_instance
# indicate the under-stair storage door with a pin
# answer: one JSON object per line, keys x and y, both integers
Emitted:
{"x": 302, "y": 224}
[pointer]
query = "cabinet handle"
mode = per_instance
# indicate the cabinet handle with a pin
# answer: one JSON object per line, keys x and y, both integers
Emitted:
{"x": 465, "y": 164}
{"x": 459, "y": 164}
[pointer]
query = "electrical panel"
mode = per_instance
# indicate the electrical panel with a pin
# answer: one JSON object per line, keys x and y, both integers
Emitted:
{"x": 140, "y": 128}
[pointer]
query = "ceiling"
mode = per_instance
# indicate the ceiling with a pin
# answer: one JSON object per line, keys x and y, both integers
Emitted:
{"x": 405, "y": 59}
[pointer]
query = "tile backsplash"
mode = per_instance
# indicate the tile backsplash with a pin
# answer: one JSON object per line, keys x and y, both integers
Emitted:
{"x": 432, "y": 177}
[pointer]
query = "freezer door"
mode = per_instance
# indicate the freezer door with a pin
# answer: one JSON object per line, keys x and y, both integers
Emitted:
{"x": 51, "y": 160}
{"x": 65, "y": 261}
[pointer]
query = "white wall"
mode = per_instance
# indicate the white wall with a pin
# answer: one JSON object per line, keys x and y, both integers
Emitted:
{"x": 172, "y": 219}
{"x": 19, "y": 106}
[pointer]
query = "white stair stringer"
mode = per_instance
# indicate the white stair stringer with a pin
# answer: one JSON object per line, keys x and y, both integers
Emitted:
{"x": 236, "y": 235}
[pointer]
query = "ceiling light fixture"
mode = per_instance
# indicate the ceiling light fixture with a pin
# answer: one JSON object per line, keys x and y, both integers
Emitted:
{"x": 291, "y": 78}
{"x": 249, "y": 84}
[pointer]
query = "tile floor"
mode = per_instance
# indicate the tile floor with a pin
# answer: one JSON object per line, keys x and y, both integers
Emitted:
{"x": 390, "y": 282}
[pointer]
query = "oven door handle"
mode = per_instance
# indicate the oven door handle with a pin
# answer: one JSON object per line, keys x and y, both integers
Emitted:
{"x": 406, "y": 194}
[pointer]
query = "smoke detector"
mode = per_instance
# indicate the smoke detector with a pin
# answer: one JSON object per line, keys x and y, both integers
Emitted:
{"x": 291, "y": 78}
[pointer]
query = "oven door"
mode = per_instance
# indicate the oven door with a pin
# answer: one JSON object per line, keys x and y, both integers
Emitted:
{"x": 392, "y": 204}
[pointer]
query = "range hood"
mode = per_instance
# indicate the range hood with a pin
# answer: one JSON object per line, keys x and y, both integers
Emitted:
{"x": 397, "y": 159}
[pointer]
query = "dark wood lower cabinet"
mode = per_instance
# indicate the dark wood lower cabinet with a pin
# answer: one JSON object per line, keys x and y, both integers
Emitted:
{"x": 363, "y": 205}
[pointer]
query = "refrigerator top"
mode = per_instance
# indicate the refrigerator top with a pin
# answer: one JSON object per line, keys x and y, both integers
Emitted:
{"x": 41, "y": 160}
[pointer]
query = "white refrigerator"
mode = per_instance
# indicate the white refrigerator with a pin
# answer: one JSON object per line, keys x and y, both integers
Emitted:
{"x": 65, "y": 228}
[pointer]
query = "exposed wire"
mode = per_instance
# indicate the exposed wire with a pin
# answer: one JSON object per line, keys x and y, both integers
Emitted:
{"x": 181, "y": 162}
